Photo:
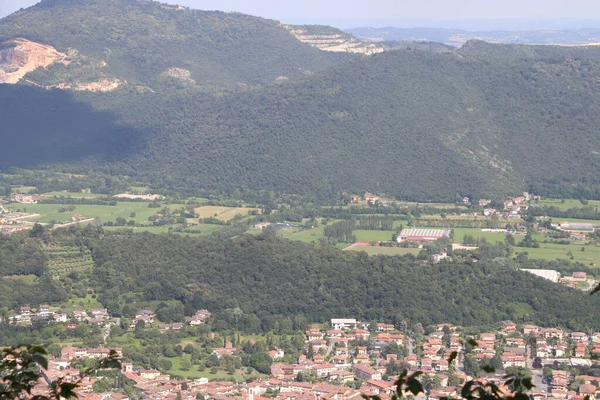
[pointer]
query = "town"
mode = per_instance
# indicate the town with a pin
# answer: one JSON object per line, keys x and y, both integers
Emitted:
{"x": 345, "y": 359}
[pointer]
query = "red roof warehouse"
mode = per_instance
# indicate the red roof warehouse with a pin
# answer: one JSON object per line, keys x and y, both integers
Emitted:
{"x": 422, "y": 235}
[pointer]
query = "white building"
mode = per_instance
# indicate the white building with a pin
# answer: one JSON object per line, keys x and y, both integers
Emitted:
{"x": 343, "y": 323}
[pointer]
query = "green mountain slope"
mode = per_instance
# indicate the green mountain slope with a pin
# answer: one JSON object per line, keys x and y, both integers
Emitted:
{"x": 486, "y": 120}
{"x": 157, "y": 45}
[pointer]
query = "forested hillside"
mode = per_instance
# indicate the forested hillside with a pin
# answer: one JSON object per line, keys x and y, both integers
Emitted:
{"x": 489, "y": 120}
{"x": 486, "y": 120}
{"x": 161, "y": 46}
{"x": 271, "y": 278}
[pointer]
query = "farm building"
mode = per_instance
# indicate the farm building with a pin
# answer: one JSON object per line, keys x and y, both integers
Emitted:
{"x": 578, "y": 227}
{"x": 422, "y": 235}
{"x": 549, "y": 274}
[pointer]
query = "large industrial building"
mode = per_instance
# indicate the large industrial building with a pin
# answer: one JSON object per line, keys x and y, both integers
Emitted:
{"x": 422, "y": 235}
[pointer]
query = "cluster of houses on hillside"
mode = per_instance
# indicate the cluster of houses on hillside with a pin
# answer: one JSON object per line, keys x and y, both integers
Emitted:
{"x": 511, "y": 207}
{"x": 148, "y": 317}
{"x": 28, "y": 316}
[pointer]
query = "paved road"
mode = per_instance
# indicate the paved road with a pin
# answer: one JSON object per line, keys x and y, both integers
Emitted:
{"x": 107, "y": 332}
{"x": 410, "y": 346}
{"x": 330, "y": 346}
{"x": 538, "y": 377}
{"x": 83, "y": 221}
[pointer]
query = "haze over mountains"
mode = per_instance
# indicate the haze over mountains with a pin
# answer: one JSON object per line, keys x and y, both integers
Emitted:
{"x": 458, "y": 37}
{"x": 188, "y": 98}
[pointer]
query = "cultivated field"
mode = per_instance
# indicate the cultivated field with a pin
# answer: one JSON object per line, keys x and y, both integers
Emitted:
{"x": 66, "y": 259}
{"x": 570, "y": 203}
{"x": 50, "y": 212}
{"x": 548, "y": 251}
{"x": 304, "y": 235}
{"x": 373, "y": 236}
{"x": 222, "y": 213}
{"x": 73, "y": 195}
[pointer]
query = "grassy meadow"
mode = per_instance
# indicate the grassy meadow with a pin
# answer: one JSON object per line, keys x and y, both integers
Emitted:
{"x": 565, "y": 204}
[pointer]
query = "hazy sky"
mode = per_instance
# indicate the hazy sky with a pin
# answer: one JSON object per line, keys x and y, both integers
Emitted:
{"x": 389, "y": 10}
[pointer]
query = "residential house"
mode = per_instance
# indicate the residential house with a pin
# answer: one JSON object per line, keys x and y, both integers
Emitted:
{"x": 364, "y": 372}
{"x": 531, "y": 329}
{"x": 441, "y": 365}
{"x": 314, "y": 334}
{"x": 276, "y": 354}
{"x": 547, "y": 333}
{"x": 579, "y": 337}
{"x": 335, "y": 333}
{"x": 381, "y": 327}
{"x": 323, "y": 370}
{"x": 508, "y": 327}
{"x": 60, "y": 317}
{"x": 200, "y": 317}
{"x": 80, "y": 315}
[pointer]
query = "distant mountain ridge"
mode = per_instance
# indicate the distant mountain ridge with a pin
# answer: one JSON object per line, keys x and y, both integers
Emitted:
{"x": 458, "y": 37}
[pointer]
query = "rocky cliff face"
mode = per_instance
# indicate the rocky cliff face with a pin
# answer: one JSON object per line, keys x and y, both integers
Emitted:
{"x": 21, "y": 56}
{"x": 333, "y": 41}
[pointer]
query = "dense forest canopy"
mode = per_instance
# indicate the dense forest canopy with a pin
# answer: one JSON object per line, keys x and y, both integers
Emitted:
{"x": 272, "y": 277}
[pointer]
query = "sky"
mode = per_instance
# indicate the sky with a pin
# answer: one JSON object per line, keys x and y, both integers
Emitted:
{"x": 410, "y": 12}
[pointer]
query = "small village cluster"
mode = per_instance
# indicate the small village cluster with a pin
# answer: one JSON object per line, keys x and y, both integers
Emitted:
{"x": 43, "y": 315}
{"x": 351, "y": 358}
{"x": 28, "y": 316}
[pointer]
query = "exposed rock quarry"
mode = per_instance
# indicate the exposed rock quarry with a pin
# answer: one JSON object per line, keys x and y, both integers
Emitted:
{"x": 181, "y": 74}
{"x": 21, "y": 56}
{"x": 335, "y": 42}
{"x": 102, "y": 85}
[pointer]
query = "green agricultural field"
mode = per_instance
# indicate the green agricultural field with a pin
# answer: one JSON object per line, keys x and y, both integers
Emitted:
{"x": 548, "y": 251}
{"x": 382, "y": 250}
{"x": 492, "y": 237}
{"x": 64, "y": 260}
{"x": 373, "y": 236}
{"x": 124, "y": 209}
{"x": 193, "y": 373}
{"x": 222, "y": 213}
{"x": 78, "y": 303}
{"x": 75, "y": 195}
{"x": 568, "y": 203}
{"x": 583, "y": 221}
{"x": 304, "y": 235}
